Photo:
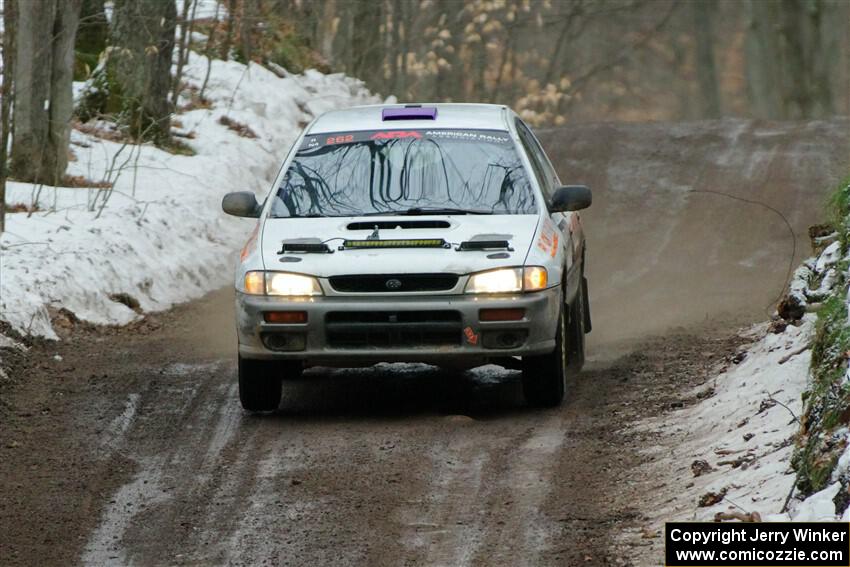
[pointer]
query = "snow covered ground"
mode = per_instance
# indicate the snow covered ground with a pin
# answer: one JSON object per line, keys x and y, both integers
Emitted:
{"x": 731, "y": 452}
{"x": 161, "y": 237}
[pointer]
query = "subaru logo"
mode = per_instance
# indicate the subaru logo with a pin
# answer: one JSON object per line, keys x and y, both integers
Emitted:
{"x": 393, "y": 284}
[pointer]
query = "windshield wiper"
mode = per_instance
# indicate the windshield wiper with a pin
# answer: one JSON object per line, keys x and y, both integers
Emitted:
{"x": 421, "y": 211}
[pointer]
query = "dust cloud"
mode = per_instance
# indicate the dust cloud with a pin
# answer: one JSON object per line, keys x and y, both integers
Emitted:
{"x": 665, "y": 250}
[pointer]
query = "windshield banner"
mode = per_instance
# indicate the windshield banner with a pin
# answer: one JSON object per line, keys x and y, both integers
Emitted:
{"x": 335, "y": 138}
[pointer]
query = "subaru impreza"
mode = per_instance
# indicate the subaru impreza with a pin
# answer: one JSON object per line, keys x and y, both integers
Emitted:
{"x": 433, "y": 233}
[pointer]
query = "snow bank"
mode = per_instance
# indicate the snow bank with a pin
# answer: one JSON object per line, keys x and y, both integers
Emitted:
{"x": 732, "y": 451}
{"x": 743, "y": 431}
{"x": 161, "y": 238}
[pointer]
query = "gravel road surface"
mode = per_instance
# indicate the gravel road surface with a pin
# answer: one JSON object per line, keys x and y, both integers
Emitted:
{"x": 128, "y": 446}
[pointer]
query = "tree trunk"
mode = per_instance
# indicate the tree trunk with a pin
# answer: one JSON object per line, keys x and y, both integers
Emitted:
{"x": 404, "y": 32}
{"x": 822, "y": 58}
{"x": 796, "y": 92}
{"x": 6, "y": 102}
{"x": 182, "y": 47}
{"x": 92, "y": 35}
{"x": 139, "y": 66}
{"x": 326, "y": 29}
{"x": 228, "y": 34}
{"x": 394, "y": 45}
{"x": 762, "y": 60}
{"x": 246, "y": 29}
{"x": 366, "y": 48}
{"x": 790, "y": 60}
{"x": 91, "y": 42}
{"x": 208, "y": 52}
{"x": 43, "y": 95}
{"x": 709, "y": 94}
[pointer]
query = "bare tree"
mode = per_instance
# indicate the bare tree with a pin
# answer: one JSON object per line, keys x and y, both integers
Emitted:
{"x": 208, "y": 51}
{"x": 182, "y": 47}
{"x": 762, "y": 55}
{"x": 142, "y": 41}
{"x": 92, "y": 34}
{"x": 367, "y": 53}
{"x": 709, "y": 92}
{"x": 789, "y": 58}
{"x": 224, "y": 53}
{"x": 247, "y": 19}
{"x": 6, "y": 103}
{"x": 326, "y": 28}
{"x": 44, "y": 55}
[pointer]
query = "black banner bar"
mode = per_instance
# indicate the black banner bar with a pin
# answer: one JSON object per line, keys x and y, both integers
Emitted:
{"x": 800, "y": 544}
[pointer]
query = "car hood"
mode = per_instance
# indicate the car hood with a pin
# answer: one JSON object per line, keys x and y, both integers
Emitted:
{"x": 519, "y": 230}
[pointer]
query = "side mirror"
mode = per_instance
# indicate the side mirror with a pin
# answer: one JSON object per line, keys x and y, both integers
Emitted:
{"x": 571, "y": 198}
{"x": 241, "y": 204}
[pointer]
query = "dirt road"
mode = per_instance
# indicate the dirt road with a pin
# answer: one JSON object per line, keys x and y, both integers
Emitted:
{"x": 128, "y": 447}
{"x": 132, "y": 450}
{"x": 688, "y": 221}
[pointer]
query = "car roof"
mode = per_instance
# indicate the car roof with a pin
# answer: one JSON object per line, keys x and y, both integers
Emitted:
{"x": 449, "y": 115}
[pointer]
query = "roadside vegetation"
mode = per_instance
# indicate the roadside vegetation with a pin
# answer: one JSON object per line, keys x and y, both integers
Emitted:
{"x": 823, "y": 436}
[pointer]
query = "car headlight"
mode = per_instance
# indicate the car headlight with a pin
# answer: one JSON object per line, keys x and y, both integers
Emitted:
{"x": 281, "y": 283}
{"x": 508, "y": 280}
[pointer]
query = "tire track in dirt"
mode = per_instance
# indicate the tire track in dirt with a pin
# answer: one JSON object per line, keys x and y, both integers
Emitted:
{"x": 132, "y": 449}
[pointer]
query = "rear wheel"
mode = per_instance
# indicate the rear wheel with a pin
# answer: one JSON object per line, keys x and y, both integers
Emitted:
{"x": 260, "y": 382}
{"x": 544, "y": 377}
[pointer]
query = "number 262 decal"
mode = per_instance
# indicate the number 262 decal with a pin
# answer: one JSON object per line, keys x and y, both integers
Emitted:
{"x": 348, "y": 138}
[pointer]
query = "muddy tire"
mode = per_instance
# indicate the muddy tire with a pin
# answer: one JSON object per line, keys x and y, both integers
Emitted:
{"x": 588, "y": 326}
{"x": 259, "y": 385}
{"x": 576, "y": 328}
{"x": 544, "y": 377}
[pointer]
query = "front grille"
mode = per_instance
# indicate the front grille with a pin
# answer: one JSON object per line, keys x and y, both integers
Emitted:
{"x": 392, "y": 329}
{"x": 393, "y": 283}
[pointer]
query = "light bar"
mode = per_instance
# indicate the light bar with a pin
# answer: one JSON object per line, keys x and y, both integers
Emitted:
{"x": 404, "y": 243}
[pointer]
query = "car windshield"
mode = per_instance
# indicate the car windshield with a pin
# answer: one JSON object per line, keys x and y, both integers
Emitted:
{"x": 405, "y": 172}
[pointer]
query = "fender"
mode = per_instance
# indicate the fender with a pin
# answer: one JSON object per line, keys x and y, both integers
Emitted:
{"x": 572, "y": 279}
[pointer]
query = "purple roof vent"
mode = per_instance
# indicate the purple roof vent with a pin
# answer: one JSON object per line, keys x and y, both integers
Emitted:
{"x": 410, "y": 112}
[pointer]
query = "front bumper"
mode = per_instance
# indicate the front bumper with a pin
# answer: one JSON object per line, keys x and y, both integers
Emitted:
{"x": 459, "y": 337}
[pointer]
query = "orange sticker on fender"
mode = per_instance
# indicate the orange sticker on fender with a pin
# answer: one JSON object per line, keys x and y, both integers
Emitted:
{"x": 246, "y": 250}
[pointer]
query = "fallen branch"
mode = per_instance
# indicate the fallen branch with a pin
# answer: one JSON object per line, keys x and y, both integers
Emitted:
{"x": 775, "y": 401}
{"x": 752, "y": 517}
{"x": 788, "y": 498}
{"x": 735, "y": 463}
{"x": 794, "y": 353}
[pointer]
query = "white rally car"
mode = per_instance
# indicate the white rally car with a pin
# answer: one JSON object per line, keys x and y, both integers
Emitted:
{"x": 423, "y": 233}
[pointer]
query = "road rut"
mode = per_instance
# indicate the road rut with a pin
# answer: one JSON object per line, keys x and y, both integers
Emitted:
{"x": 128, "y": 447}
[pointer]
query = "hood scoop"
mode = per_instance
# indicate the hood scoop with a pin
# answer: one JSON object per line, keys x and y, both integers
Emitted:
{"x": 486, "y": 242}
{"x": 304, "y": 246}
{"x": 391, "y": 225}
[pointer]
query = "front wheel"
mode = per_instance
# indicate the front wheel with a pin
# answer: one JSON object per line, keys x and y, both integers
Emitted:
{"x": 260, "y": 383}
{"x": 577, "y": 327}
{"x": 544, "y": 377}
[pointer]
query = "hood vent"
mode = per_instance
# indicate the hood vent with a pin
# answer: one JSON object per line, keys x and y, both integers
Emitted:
{"x": 484, "y": 245}
{"x": 390, "y": 225}
{"x": 487, "y": 242}
{"x": 304, "y": 246}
